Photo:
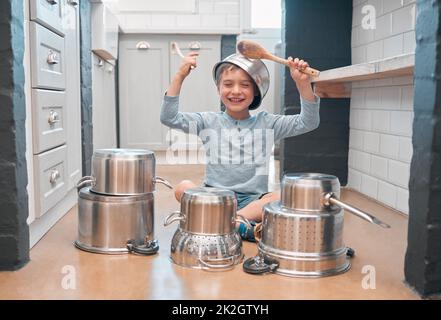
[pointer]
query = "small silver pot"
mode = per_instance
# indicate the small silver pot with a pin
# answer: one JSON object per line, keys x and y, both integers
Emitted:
{"x": 115, "y": 225}
{"x": 122, "y": 172}
{"x": 206, "y": 210}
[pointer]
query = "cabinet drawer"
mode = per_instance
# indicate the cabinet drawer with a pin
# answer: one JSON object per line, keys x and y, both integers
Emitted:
{"x": 49, "y": 121}
{"x": 47, "y": 58}
{"x": 48, "y": 13}
{"x": 50, "y": 179}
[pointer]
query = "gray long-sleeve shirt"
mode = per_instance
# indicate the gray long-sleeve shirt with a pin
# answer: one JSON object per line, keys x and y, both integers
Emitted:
{"x": 238, "y": 151}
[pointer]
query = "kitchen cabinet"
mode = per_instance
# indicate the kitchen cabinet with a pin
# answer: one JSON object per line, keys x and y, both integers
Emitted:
{"x": 52, "y": 72}
{"x": 104, "y": 104}
{"x": 104, "y": 32}
{"x": 146, "y": 67}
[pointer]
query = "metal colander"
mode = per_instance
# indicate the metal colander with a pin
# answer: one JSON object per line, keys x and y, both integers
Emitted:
{"x": 206, "y": 251}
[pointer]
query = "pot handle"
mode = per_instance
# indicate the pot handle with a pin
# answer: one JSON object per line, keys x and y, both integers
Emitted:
{"x": 330, "y": 199}
{"x": 169, "y": 220}
{"x": 86, "y": 180}
{"x": 259, "y": 265}
{"x": 151, "y": 247}
{"x": 206, "y": 263}
{"x": 163, "y": 181}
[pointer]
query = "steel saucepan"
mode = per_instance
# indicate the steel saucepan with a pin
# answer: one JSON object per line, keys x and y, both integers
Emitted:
{"x": 122, "y": 172}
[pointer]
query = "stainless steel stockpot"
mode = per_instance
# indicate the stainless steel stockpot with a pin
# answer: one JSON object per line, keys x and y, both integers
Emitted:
{"x": 122, "y": 172}
{"x": 206, "y": 237}
{"x": 206, "y": 210}
{"x": 302, "y": 235}
{"x": 114, "y": 225}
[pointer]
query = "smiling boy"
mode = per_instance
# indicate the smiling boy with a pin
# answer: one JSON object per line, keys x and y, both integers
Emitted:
{"x": 238, "y": 145}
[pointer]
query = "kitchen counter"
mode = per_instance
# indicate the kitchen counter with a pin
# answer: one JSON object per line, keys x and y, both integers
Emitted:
{"x": 56, "y": 263}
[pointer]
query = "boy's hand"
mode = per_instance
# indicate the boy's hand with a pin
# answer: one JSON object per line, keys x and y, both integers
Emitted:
{"x": 302, "y": 80}
{"x": 295, "y": 65}
{"x": 188, "y": 63}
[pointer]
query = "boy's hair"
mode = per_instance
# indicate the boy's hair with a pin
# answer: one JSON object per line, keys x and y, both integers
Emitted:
{"x": 227, "y": 66}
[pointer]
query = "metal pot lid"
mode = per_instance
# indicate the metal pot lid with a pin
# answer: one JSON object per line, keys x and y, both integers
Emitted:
{"x": 117, "y": 153}
{"x": 86, "y": 193}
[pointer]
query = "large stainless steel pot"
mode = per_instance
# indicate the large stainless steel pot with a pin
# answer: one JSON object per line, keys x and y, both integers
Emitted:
{"x": 206, "y": 237}
{"x": 302, "y": 235}
{"x": 122, "y": 172}
{"x": 115, "y": 225}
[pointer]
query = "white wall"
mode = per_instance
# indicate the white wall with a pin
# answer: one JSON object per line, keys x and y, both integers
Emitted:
{"x": 177, "y": 16}
{"x": 380, "y": 144}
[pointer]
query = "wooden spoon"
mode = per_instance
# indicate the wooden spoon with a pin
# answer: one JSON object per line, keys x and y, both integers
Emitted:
{"x": 253, "y": 50}
{"x": 175, "y": 49}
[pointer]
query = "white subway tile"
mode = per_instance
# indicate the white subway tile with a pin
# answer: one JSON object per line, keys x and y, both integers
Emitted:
{"x": 362, "y": 161}
{"x": 389, "y": 145}
{"x": 354, "y": 179}
{"x": 405, "y": 149}
{"x": 384, "y": 27}
{"x": 359, "y": 54}
{"x": 364, "y": 120}
{"x": 371, "y": 142}
{"x": 355, "y": 38}
{"x": 378, "y": 5}
{"x": 403, "y": 200}
{"x": 399, "y": 173}
{"x": 356, "y": 139}
{"x": 387, "y": 193}
{"x": 357, "y": 15}
{"x": 372, "y": 97}
{"x": 407, "y": 98}
{"x": 390, "y": 97}
{"x": 357, "y": 98}
{"x": 374, "y": 51}
{"x": 351, "y": 158}
{"x": 365, "y": 35}
{"x": 403, "y": 19}
{"x": 379, "y": 167}
{"x": 391, "y": 5}
{"x": 381, "y": 121}
{"x": 353, "y": 119}
{"x": 409, "y": 42}
{"x": 393, "y": 46}
{"x": 358, "y": 2}
{"x": 369, "y": 186}
{"x": 401, "y": 123}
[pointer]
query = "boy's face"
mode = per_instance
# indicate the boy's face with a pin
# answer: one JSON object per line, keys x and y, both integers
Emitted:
{"x": 236, "y": 90}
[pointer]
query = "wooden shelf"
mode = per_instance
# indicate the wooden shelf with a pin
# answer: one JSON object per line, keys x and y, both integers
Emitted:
{"x": 336, "y": 83}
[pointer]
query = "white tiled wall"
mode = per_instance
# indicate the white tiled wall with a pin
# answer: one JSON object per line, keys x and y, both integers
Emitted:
{"x": 209, "y": 16}
{"x": 394, "y": 33}
{"x": 380, "y": 142}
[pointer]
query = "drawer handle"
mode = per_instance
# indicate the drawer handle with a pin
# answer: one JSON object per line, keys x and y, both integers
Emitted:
{"x": 55, "y": 174}
{"x": 73, "y": 2}
{"x": 195, "y": 45}
{"x": 143, "y": 45}
{"x": 52, "y": 2}
{"x": 52, "y": 58}
{"x": 53, "y": 117}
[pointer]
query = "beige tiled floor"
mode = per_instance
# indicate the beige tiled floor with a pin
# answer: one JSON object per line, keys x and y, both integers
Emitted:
{"x": 98, "y": 276}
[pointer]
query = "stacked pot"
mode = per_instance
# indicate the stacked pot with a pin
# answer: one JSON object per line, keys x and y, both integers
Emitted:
{"x": 116, "y": 209}
{"x": 302, "y": 235}
{"x": 206, "y": 237}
